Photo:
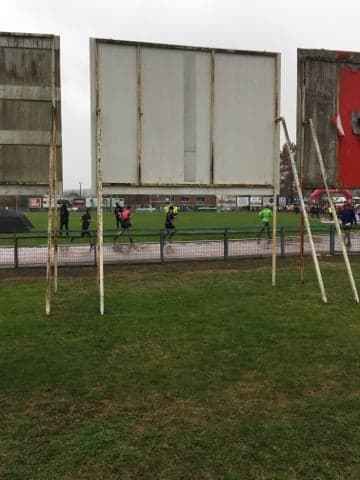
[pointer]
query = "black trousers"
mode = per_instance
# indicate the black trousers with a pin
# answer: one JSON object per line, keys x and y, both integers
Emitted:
{"x": 265, "y": 228}
{"x": 64, "y": 223}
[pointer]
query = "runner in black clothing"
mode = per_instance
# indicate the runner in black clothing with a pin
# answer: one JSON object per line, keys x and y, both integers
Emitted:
{"x": 85, "y": 227}
{"x": 64, "y": 219}
{"x": 348, "y": 219}
{"x": 85, "y": 224}
{"x": 169, "y": 224}
{"x": 117, "y": 212}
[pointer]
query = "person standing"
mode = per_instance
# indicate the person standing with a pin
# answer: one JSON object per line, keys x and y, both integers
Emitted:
{"x": 265, "y": 215}
{"x": 348, "y": 219}
{"x": 64, "y": 219}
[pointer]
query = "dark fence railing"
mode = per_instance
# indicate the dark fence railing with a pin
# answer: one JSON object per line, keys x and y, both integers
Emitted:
{"x": 28, "y": 250}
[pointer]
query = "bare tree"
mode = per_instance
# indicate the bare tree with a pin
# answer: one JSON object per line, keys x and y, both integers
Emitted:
{"x": 287, "y": 186}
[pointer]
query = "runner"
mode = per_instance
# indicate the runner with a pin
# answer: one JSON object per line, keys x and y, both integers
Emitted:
{"x": 348, "y": 219}
{"x": 117, "y": 212}
{"x": 265, "y": 217}
{"x": 169, "y": 224}
{"x": 64, "y": 219}
{"x": 85, "y": 227}
{"x": 125, "y": 221}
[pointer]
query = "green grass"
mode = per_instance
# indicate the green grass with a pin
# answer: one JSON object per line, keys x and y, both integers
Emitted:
{"x": 187, "y": 220}
{"x": 147, "y": 226}
{"x": 199, "y": 371}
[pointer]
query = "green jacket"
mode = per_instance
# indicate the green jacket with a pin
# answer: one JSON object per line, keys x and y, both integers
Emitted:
{"x": 265, "y": 215}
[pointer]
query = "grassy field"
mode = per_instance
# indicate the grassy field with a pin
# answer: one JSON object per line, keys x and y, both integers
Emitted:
{"x": 144, "y": 221}
{"x": 199, "y": 371}
{"x": 147, "y": 226}
{"x": 188, "y": 220}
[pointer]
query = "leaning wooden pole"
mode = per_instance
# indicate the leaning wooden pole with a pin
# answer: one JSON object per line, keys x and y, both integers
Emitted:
{"x": 55, "y": 187}
{"x": 304, "y": 212}
{"x": 99, "y": 189}
{"x": 301, "y": 172}
{"x": 51, "y": 202}
{"x": 333, "y": 211}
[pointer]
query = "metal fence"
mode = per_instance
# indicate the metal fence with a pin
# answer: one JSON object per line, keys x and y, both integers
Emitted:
{"x": 30, "y": 250}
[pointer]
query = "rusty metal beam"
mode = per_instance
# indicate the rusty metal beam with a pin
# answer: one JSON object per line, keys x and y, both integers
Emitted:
{"x": 184, "y": 47}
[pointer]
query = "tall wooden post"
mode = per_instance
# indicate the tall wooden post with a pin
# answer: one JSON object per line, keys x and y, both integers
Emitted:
{"x": 99, "y": 187}
{"x": 276, "y": 174}
{"x": 51, "y": 203}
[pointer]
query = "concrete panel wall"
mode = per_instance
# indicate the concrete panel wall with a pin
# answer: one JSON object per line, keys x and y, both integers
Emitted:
{"x": 163, "y": 79}
{"x": 118, "y": 98}
{"x": 25, "y": 110}
{"x": 185, "y": 117}
{"x": 244, "y": 116}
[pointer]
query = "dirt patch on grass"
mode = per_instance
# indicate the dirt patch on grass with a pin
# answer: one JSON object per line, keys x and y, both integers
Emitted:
{"x": 171, "y": 414}
{"x": 324, "y": 389}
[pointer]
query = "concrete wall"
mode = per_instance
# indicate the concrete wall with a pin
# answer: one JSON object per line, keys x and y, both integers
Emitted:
{"x": 25, "y": 112}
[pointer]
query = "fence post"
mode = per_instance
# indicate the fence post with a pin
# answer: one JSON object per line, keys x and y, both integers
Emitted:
{"x": 332, "y": 239}
{"x": 226, "y": 244}
{"x": 16, "y": 252}
{"x": 282, "y": 242}
{"x": 162, "y": 246}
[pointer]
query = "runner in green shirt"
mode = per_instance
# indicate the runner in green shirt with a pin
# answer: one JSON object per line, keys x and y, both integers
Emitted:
{"x": 265, "y": 216}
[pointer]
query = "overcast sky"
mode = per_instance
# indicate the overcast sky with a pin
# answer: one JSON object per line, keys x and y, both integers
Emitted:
{"x": 276, "y": 25}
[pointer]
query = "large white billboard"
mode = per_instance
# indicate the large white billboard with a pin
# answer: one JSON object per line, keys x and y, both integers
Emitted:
{"x": 169, "y": 119}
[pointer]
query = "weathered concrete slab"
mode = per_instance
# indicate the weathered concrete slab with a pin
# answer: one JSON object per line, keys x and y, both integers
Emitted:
{"x": 26, "y": 81}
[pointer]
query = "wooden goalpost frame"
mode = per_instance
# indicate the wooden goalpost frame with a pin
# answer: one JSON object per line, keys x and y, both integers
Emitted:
{"x": 304, "y": 212}
{"x": 51, "y": 269}
{"x": 333, "y": 210}
{"x": 99, "y": 191}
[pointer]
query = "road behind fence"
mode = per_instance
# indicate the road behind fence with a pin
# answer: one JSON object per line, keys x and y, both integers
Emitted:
{"x": 30, "y": 250}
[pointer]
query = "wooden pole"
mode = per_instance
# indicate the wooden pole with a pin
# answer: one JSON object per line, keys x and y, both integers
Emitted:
{"x": 54, "y": 143}
{"x": 276, "y": 174}
{"x": 306, "y": 218}
{"x": 274, "y": 240}
{"x": 212, "y": 110}
{"x": 301, "y": 172}
{"x": 55, "y": 214}
{"x": 139, "y": 123}
{"x": 99, "y": 188}
{"x": 51, "y": 203}
{"x": 333, "y": 211}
